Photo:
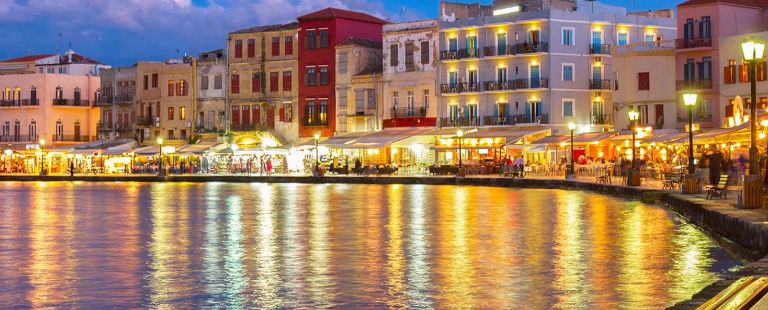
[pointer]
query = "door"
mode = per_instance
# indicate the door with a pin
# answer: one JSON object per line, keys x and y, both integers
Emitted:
{"x": 453, "y": 44}
{"x": 501, "y": 44}
{"x": 535, "y": 77}
{"x": 472, "y": 46}
{"x": 533, "y": 110}
{"x": 256, "y": 115}
{"x": 472, "y": 114}
{"x": 271, "y": 117}
{"x": 597, "y": 110}
{"x": 235, "y": 116}
{"x": 453, "y": 112}
{"x": 246, "y": 117}
{"x": 597, "y": 74}
{"x": 453, "y": 78}
{"x": 597, "y": 41}
{"x": 659, "y": 116}
{"x": 534, "y": 36}
{"x": 472, "y": 79}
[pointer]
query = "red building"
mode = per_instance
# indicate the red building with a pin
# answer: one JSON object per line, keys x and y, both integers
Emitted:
{"x": 318, "y": 35}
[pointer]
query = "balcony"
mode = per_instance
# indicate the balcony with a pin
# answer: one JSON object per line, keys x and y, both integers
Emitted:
{"x": 469, "y": 53}
{"x": 449, "y": 55}
{"x": 530, "y": 119}
{"x": 494, "y": 120}
{"x": 19, "y": 103}
{"x": 115, "y": 127}
{"x": 693, "y": 43}
{"x": 72, "y": 138}
{"x": 408, "y": 112}
{"x": 528, "y": 48}
{"x": 459, "y": 121}
{"x": 694, "y": 84}
{"x": 599, "y": 49}
{"x": 496, "y": 86}
{"x": 489, "y": 51}
{"x": 104, "y": 100}
{"x": 529, "y": 83}
{"x": 19, "y": 138}
{"x": 600, "y": 119}
{"x": 71, "y": 103}
{"x": 314, "y": 121}
{"x": 646, "y": 46}
{"x": 497, "y": 121}
{"x": 124, "y": 99}
{"x": 147, "y": 120}
{"x": 600, "y": 84}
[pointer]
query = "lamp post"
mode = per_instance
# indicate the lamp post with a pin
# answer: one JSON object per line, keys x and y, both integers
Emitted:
{"x": 752, "y": 189}
{"x": 690, "y": 102}
{"x": 633, "y": 116}
{"x": 460, "y": 133}
{"x": 160, "y": 157}
{"x": 572, "y": 168}
{"x": 42, "y": 156}
{"x": 317, "y": 150}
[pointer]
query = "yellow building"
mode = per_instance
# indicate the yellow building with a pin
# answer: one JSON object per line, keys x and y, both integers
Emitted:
{"x": 166, "y": 100}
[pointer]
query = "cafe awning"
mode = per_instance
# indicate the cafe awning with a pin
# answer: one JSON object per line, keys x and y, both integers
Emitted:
{"x": 591, "y": 138}
{"x": 340, "y": 141}
{"x": 551, "y": 140}
{"x": 147, "y": 150}
{"x": 383, "y": 138}
{"x": 120, "y": 149}
{"x": 195, "y": 149}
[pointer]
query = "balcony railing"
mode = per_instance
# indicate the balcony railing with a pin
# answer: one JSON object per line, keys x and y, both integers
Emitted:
{"x": 19, "y": 138}
{"x": 600, "y": 84}
{"x": 497, "y": 121}
{"x": 450, "y": 88}
{"x": 530, "y": 83}
{"x": 314, "y": 121}
{"x": 646, "y": 46}
{"x": 408, "y": 112}
{"x": 528, "y": 48}
{"x": 72, "y": 102}
{"x": 249, "y": 127}
{"x": 530, "y": 119}
{"x": 104, "y": 101}
{"x": 693, "y": 43}
{"x": 496, "y": 86}
{"x": 494, "y": 120}
{"x": 19, "y": 103}
{"x": 694, "y": 84}
{"x": 113, "y": 127}
{"x": 599, "y": 49}
{"x": 449, "y": 55}
{"x": 516, "y": 84}
{"x": 600, "y": 119}
{"x": 147, "y": 120}
{"x": 469, "y": 53}
{"x": 124, "y": 98}
{"x": 72, "y": 138}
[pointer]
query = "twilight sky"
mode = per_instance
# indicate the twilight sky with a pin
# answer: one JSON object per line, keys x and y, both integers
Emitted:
{"x": 121, "y": 32}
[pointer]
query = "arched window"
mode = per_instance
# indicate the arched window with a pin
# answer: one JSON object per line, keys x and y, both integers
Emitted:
{"x": 77, "y": 130}
{"x": 77, "y": 96}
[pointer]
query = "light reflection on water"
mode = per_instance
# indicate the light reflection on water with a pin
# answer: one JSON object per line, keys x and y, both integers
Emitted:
{"x": 170, "y": 245}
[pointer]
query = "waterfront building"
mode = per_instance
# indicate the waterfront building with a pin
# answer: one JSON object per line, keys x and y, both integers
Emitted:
{"x": 70, "y": 63}
{"x": 148, "y": 101}
{"x": 410, "y": 57}
{"x": 263, "y": 83}
{"x": 537, "y": 63}
{"x": 177, "y": 100}
{"x": 320, "y": 32}
{"x": 358, "y": 86}
{"x": 710, "y": 33}
{"x": 117, "y": 100}
{"x": 644, "y": 84}
{"x": 211, "y": 73}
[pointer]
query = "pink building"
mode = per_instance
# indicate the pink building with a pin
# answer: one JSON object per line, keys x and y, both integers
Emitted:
{"x": 702, "y": 26}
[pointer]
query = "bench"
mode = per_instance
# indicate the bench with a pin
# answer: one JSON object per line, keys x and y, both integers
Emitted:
{"x": 671, "y": 181}
{"x": 720, "y": 190}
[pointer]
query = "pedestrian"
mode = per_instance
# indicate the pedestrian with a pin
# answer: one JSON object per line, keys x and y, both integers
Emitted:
{"x": 71, "y": 168}
{"x": 715, "y": 160}
{"x": 269, "y": 165}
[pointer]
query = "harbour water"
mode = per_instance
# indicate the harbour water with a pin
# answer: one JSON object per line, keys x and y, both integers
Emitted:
{"x": 184, "y": 245}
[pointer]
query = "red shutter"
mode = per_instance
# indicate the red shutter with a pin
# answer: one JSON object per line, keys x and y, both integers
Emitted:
{"x": 276, "y": 46}
{"x": 288, "y": 45}
{"x": 236, "y": 115}
{"x": 256, "y": 83}
{"x": 727, "y": 75}
{"x": 760, "y": 71}
{"x": 170, "y": 89}
{"x": 274, "y": 78}
{"x": 235, "y": 84}
{"x": 287, "y": 80}
{"x": 238, "y": 48}
{"x": 729, "y": 110}
{"x": 251, "y": 48}
{"x": 282, "y": 114}
{"x": 643, "y": 79}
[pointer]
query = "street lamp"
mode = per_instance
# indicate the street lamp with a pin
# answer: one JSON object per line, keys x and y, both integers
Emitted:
{"x": 160, "y": 157}
{"x": 633, "y": 116}
{"x": 42, "y": 159}
{"x": 317, "y": 150}
{"x": 572, "y": 169}
{"x": 753, "y": 52}
{"x": 460, "y": 133}
{"x": 690, "y": 102}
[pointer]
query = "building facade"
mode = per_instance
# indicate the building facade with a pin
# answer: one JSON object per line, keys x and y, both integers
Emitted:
{"x": 148, "y": 101}
{"x": 545, "y": 67}
{"x": 70, "y": 63}
{"x": 410, "y": 56}
{"x": 117, "y": 100}
{"x": 211, "y": 89}
{"x": 358, "y": 86}
{"x": 319, "y": 34}
{"x": 263, "y": 81}
{"x": 177, "y": 100}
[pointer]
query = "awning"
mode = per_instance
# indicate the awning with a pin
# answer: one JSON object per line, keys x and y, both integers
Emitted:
{"x": 538, "y": 149}
{"x": 195, "y": 149}
{"x": 147, "y": 150}
{"x": 340, "y": 141}
{"x": 551, "y": 140}
{"x": 383, "y": 138}
{"x": 592, "y": 137}
{"x": 120, "y": 149}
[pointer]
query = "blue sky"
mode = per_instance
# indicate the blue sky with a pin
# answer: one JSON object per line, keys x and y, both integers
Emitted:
{"x": 121, "y": 32}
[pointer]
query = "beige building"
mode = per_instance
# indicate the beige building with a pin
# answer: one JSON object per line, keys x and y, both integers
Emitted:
{"x": 263, "y": 83}
{"x": 211, "y": 110}
{"x": 410, "y": 74}
{"x": 358, "y": 86}
{"x": 148, "y": 101}
{"x": 177, "y": 100}
{"x": 643, "y": 83}
{"x": 117, "y": 100}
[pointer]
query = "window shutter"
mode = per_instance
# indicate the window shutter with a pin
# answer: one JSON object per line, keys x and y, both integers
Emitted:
{"x": 496, "y": 110}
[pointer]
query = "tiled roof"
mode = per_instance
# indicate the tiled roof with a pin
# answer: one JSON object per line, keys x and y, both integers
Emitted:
{"x": 79, "y": 59}
{"x": 276, "y": 27}
{"x": 752, "y": 3}
{"x": 331, "y": 13}
{"x": 28, "y": 58}
{"x": 361, "y": 42}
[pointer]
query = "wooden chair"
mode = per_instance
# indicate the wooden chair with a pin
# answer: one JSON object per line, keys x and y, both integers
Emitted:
{"x": 605, "y": 178}
{"x": 720, "y": 190}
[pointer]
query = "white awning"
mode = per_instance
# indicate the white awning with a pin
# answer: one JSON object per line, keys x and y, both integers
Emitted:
{"x": 383, "y": 138}
{"x": 195, "y": 149}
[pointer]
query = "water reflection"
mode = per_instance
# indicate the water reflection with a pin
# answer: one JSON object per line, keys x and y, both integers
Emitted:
{"x": 218, "y": 245}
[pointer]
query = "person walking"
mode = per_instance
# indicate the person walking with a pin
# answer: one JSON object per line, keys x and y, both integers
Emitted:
{"x": 72, "y": 168}
{"x": 715, "y": 160}
{"x": 269, "y": 165}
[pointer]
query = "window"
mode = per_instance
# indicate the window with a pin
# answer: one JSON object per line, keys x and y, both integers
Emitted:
{"x": 59, "y": 92}
{"x": 567, "y": 107}
{"x": 204, "y": 82}
{"x": 650, "y": 38}
{"x": 411, "y": 101}
{"x": 274, "y": 79}
{"x": 217, "y": 81}
{"x": 311, "y": 77}
{"x": 409, "y": 61}
{"x": 501, "y": 43}
{"x": 705, "y": 69}
{"x": 288, "y": 45}
{"x": 182, "y": 113}
{"x": 251, "y": 48}
{"x": 323, "y": 38}
{"x": 568, "y": 36}
{"x": 235, "y": 83}
{"x": 170, "y": 113}
{"x": 238, "y": 48}
{"x": 359, "y": 101}
{"x": 453, "y": 44}
{"x": 371, "y": 99}
{"x": 256, "y": 82}
{"x": 393, "y": 61}
{"x": 154, "y": 80}
{"x": 171, "y": 135}
{"x": 323, "y": 75}
{"x": 323, "y": 111}
{"x": 146, "y": 81}
{"x": 643, "y": 81}
{"x": 705, "y": 27}
{"x": 395, "y": 99}
{"x": 171, "y": 88}
{"x": 744, "y": 72}
{"x": 275, "y": 46}
{"x": 424, "y": 52}
{"x": 342, "y": 99}
{"x": 760, "y": 73}
{"x": 623, "y": 39}
{"x": 501, "y": 74}
{"x": 689, "y": 70}
{"x": 729, "y": 75}
{"x": 77, "y": 95}
{"x": 311, "y": 39}
{"x": 287, "y": 80}
{"x": 343, "y": 63}
{"x": 183, "y": 88}
{"x": 568, "y": 72}
{"x": 426, "y": 98}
